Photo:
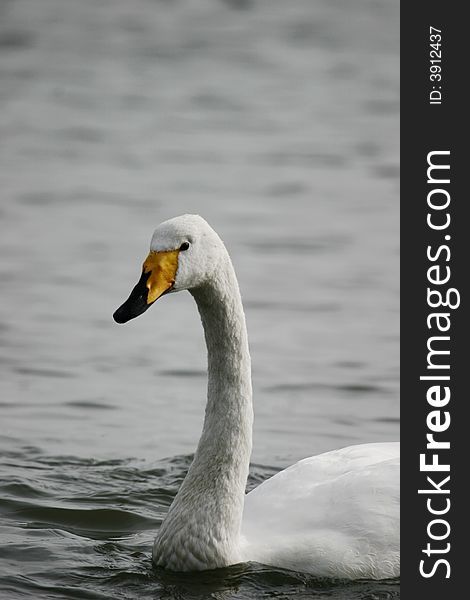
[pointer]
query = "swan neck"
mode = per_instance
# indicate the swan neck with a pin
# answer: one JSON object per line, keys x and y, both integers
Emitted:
{"x": 202, "y": 528}
{"x": 229, "y": 410}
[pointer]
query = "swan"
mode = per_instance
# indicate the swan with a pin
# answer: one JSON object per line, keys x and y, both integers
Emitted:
{"x": 331, "y": 515}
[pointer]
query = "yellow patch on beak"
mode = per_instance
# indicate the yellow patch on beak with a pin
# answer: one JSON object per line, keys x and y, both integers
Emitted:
{"x": 162, "y": 267}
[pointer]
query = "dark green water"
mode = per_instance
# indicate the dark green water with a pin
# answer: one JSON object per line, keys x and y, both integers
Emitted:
{"x": 277, "y": 121}
{"x": 84, "y": 529}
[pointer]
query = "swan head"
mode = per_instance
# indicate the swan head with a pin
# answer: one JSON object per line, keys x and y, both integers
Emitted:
{"x": 184, "y": 253}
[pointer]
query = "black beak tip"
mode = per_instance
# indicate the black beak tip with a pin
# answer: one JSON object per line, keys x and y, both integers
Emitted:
{"x": 121, "y": 315}
{"x": 136, "y": 304}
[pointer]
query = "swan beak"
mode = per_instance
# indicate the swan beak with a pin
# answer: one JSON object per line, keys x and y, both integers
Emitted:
{"x": 158, "y": 277}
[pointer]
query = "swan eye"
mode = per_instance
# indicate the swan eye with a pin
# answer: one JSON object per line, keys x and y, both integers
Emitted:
{"x": 184, "y": 246}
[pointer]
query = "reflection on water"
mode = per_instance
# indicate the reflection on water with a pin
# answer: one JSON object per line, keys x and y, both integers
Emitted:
{"x": 277, "y": 122}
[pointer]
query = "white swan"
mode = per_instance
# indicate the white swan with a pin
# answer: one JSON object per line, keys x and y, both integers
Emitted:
{"x": 332, "y": 515}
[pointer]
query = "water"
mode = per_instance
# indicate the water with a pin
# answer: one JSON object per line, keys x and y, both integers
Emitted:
{"x": 276, "y": 121}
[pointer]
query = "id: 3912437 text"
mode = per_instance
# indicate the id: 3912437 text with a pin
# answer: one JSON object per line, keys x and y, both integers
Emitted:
{"x": 435, "y": 65}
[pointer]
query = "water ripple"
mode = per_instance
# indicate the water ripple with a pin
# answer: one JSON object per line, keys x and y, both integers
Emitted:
{"x": 98, "y": 529}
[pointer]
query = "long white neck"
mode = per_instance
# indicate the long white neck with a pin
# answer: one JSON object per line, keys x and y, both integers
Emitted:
{"x": 202, "y": 528}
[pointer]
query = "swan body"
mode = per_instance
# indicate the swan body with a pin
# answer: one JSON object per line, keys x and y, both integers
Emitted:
{"x": 331, "y": 515}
